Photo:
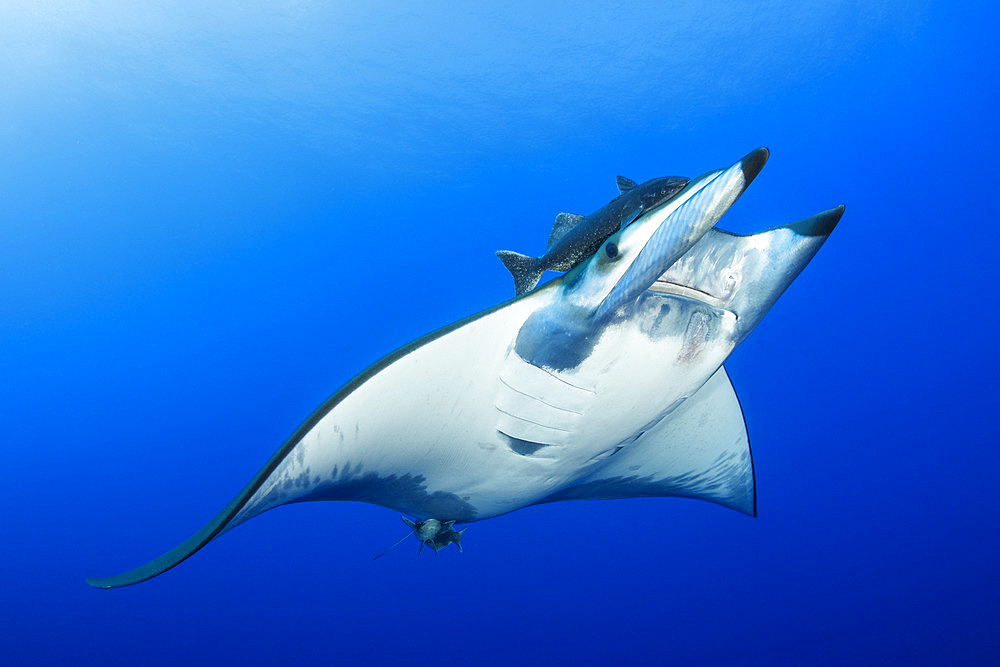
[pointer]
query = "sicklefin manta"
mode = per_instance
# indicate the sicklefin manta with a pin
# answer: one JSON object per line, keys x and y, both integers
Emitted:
{"x": 607, "y": 382}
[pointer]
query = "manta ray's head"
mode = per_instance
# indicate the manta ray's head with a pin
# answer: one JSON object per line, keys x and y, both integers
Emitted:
{"x": 632, "y": 259}
{"x": 604, "y": 287}
{"x": 745, "y": 274}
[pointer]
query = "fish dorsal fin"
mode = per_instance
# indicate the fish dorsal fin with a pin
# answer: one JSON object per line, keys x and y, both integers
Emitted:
{"x": 625, "y": 184}
{"x": 564, "y": 222}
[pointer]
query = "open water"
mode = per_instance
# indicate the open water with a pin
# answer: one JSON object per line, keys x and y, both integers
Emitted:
{"x": 212, "y": 215}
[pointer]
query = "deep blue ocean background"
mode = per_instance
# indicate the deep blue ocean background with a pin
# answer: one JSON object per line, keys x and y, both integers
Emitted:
{"x": 214, "y": 216}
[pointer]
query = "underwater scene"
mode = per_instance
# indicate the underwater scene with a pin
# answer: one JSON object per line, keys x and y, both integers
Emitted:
{"x": 573, "y": 333}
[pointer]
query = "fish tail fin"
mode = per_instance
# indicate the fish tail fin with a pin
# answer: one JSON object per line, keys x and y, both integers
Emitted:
{"x": 527, "y": 271}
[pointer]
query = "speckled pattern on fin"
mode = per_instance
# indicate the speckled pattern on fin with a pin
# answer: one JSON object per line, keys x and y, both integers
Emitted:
{"x": 564, "y": 222}
{"x": 625, "y": 184}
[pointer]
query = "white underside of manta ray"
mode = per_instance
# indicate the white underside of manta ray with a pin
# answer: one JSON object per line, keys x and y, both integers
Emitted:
{"x": 604, "y": 383}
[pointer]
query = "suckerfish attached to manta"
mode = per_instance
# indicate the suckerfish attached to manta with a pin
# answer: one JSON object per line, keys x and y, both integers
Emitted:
{"x": 575, "y": 238}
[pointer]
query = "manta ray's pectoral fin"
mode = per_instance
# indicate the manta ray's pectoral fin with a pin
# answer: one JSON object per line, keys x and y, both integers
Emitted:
{"x": 699, "y": 450}
{"x": 564, "y": 222}
{"x": 625, "y": 184}
{"x": 225, "y": 520}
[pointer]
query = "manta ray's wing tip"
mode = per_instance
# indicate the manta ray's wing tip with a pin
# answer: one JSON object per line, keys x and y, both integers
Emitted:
{"x": 821, "y": 224}
{"x": 122, "y": 580}
{"x": 753, "y": 163}
{"x": 110, "y": 582}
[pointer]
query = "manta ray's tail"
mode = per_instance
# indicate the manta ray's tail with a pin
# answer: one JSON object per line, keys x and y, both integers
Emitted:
{"x": 527, "y": 271}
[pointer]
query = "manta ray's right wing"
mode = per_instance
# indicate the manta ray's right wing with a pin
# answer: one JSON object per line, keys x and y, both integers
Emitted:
{"x": 700, "y": 450}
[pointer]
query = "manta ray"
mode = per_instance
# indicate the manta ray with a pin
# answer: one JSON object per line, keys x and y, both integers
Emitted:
{"x": 607, "y": 382}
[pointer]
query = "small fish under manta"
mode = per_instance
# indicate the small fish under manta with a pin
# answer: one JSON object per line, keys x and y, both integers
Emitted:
{"x": 430, "y": 533}
{"x": 606, "y": 382}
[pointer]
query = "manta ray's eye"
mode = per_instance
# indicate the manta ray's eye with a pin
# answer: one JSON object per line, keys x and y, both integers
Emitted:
{"x": 611, "y": 250}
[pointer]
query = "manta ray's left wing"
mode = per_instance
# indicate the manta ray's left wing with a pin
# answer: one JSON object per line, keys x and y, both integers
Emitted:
{"x": 415, "y": 432}
{"x": 700, "y": 450}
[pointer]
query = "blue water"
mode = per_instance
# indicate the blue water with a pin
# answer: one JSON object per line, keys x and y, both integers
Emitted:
{"x": 213, "y": 217}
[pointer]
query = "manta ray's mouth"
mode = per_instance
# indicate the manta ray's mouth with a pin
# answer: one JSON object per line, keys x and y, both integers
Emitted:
{"x": 667, "y": 287}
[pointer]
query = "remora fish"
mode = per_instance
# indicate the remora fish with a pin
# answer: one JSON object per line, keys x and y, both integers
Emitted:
{"x": 484, "y": 417}
{"x": 575, "y": 237}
